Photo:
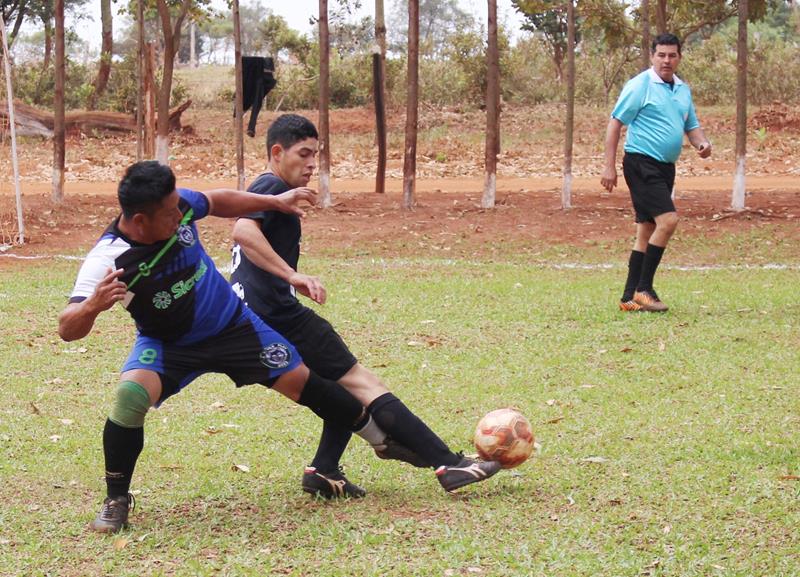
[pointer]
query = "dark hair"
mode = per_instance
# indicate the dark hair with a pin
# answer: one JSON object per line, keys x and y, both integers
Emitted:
{"x": 665, "y": 39}
{"x": 143, "y": 186}
{"x": 289, "y": 129}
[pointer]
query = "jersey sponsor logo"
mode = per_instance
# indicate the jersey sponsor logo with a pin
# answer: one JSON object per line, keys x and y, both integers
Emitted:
{"x": 163, "y": 299}
{"x": 185, "y": 235}
{"x": 276, "y": 356}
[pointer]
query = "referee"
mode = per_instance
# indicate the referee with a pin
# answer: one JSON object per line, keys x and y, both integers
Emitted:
{"x": 657, "y": 108}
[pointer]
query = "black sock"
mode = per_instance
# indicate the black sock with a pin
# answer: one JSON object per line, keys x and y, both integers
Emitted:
{"x": 634, "y": 274}
{"x": 332, "y": 444}
{"x": 332, "y": 403}
{"x": 652, "y": 258}
{"x": 406, "y": 428}
{"x": 121, "y": 447}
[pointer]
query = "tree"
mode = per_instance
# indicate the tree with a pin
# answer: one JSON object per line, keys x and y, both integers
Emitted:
{"x": 58, "y": 106}
{"x": 13, "y": 11}
{"x": 171, "y": 33}
{"x": 549, "y": 19}
{"x": 737, "y": 201}
{"x": 438, "y": 21}
{"x": 379, "y": 91}
{"x": 324, "y": 102}
{"x": 107, "y": 44}
{"x": 566, "y": 189}
{"x": 279, "y": 39}
{"x": 492, "y": 108}
{"x": 644, "y": 18}
{"x": 412, "y": 107}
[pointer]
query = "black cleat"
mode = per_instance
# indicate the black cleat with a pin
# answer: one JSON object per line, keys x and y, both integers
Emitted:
{"x": 330, "y": 485}
{"x": 466, "y": 472}
{"x": 113, "y": 517}
{"x": 391, "y": 449}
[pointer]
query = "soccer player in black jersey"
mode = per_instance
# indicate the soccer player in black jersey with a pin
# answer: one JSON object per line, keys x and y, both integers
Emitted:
{"x": 265, "y": 275}
{"x": 188, "y": 318}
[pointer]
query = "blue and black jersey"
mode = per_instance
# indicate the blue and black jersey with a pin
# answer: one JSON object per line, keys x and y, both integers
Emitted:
{"x": 175, "y": 292}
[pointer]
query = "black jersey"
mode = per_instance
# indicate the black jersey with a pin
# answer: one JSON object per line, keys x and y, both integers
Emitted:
{"x": 269, "y": 296}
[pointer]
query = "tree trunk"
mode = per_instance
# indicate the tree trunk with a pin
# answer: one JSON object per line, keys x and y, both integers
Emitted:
{"x": 101, "y": 81}
{"x": 379, "y": 88}
{"x": 644, "y": 13}
{"x": 412, "y": 103}
{"x": 324, "y": 102}
{"x": 48, "y": 51}
{"x": 172, "y": 42}
{"x": 58, "y": 107}
{"x": 492, "y": 108}
{"x": 661, "y": 16}
{"x": 566, "y": 189}
{"x": 737, "y": 202}
{"x": 140, "y": 80}
{"x": 238, "y": 116}
{"x": 193, "y": 42}
{"x": 150, "y": 102}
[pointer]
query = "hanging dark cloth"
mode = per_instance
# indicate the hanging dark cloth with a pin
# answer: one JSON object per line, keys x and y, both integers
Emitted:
{"x": 258, "y": 79}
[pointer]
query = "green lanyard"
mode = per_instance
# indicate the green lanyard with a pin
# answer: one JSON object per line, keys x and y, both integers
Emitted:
{"x": 145, "y": 268}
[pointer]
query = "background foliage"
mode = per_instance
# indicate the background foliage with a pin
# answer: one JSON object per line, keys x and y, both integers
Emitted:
{"x": 452, "y": 46}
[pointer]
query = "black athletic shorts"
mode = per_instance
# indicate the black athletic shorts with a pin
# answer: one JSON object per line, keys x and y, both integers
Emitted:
{"x": 651, "y": 183}
{"x": 318, "y": 343}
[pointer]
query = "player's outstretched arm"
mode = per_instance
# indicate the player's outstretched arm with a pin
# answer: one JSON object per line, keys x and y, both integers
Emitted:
{"x": 77, "y": 319}
{"x": 247, "y": 234}
{"x": 228, "y": 203}
{"x": 609, "y": 177}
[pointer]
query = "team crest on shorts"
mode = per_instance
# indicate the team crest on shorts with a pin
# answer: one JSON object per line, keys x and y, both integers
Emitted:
{"x": 276, "y": 356}
{"x": 185, "y": 235}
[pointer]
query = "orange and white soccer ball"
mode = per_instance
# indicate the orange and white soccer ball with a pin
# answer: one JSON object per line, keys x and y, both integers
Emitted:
{"x": 505, "y": 436}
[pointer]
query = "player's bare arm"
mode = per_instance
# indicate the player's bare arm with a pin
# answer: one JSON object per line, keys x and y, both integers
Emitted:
{"x": 247, "y": 234}
{"x": 77, "y": 319}
{"x": 609, "y": 177}
{"x": 228, "y": 203}
{"x": 698, "y": 139}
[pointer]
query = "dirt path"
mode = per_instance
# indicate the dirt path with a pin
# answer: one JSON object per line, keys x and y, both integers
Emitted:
{"x": 447, "y": 220}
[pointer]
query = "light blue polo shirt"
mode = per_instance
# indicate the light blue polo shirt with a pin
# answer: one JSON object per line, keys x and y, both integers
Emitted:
{"x": 656, "y": 115}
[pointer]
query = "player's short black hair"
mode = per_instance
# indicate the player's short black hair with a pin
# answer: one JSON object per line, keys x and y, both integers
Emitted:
{"x": 665, "y": 39}
{"x": 143, "y": 186}
{"x": 289, "y": 129}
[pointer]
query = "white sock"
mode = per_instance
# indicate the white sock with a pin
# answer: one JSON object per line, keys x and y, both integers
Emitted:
{"x": 372, "y": 433}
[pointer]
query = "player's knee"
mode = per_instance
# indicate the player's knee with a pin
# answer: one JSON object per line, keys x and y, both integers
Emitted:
{"x": 130, "y": 406}
{"x": 668, "y": 222}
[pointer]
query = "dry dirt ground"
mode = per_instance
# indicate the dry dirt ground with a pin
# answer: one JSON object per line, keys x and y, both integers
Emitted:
{"x": 447, "y": 219}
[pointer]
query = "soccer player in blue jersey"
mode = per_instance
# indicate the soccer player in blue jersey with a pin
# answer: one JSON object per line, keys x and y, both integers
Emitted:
{"x": 265, "y": 274}
{"x": 657, "y": 108}
{"x": 189, "y": 320}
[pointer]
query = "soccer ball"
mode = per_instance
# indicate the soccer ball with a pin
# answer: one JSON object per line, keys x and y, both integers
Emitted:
{"x": 505, "y": 436}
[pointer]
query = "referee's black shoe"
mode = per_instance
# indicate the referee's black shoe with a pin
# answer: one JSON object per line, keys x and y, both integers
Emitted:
{"x": 466, "y": 472}
{"x": 333, "y": 485}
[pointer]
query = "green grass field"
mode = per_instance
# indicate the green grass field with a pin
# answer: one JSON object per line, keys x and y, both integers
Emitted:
{"x": 668, "y": 443}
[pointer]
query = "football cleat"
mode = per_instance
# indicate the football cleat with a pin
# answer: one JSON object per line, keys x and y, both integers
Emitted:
{"x": 332, "y": 485}
{"x": 649, "y": 301}
{"x": 113, "y": 516}
{"x": 630, "y": 306}
{"x": 391, "y": 449}
{"x": 467, "y": 471}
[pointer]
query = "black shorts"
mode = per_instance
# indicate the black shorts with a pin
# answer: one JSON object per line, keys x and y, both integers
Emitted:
{"x": 248, "y": 351}
{"x": 321, "y": 347}
{"x": 651, "y": 183}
